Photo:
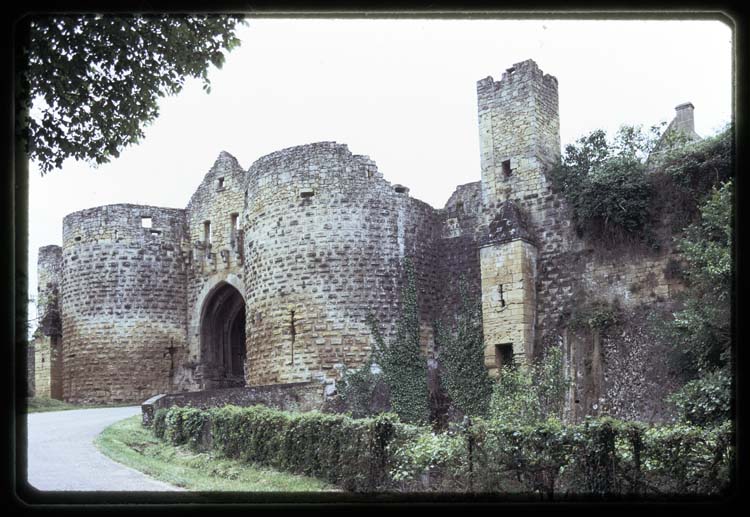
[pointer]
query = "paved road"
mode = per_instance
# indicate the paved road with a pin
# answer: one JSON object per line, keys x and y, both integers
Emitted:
{"x": 62, "y": 456}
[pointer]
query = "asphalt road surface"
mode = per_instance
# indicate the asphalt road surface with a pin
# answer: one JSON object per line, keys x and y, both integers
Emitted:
{"x": 62, "y": 456}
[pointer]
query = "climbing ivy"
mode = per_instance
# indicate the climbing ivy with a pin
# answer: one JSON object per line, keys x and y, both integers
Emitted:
{"x": 403, "y": 364}
{"x": 462, "y": 357}
{"x": 357, "y": 389}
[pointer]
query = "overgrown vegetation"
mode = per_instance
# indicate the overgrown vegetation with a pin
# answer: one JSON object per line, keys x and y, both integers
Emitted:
{"x": 605, "y": 182}
{"x": 353, "y": 453}
{"x": 544, "y": 459}
{"x": 129, "y": 443}
{"x": 529, "y": 394}
{"x": 702, "y": 328}
{"x": 357, "y": 389}
{"x": 595, "y": 315}
{"x": 464, "y": 375}
{"x": 621, "y": 188}
{"x": 402, "y": 361}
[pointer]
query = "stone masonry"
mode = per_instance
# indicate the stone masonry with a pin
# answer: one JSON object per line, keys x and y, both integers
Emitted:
{"x": 268, "y": 274}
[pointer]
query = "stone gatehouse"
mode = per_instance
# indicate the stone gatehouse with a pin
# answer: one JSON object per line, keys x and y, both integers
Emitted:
{"x": 268, "y": 273}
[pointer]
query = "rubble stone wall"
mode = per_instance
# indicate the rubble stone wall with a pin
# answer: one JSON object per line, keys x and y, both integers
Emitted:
{"x": 325, "y": 243}
{"x": 218, "y": 201}
{"x": 123, "y": 301}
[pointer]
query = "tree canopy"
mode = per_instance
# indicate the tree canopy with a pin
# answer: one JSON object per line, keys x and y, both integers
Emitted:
{"x": 94, "y": 81}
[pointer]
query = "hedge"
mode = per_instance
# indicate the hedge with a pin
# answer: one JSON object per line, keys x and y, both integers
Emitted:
{"x": 599, "y": 457}
{"x": 353, "y": 453}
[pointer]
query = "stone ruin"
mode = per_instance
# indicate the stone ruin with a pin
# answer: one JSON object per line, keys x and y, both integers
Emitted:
{"x": 266, "y": 277}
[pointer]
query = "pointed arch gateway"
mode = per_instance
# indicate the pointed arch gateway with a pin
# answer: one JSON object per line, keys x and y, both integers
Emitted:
{"x": 222, "y": 329}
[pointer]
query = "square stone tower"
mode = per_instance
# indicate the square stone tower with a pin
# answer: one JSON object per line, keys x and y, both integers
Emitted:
{"x": 519, "y": 135}
{"x": 519, "y": 132}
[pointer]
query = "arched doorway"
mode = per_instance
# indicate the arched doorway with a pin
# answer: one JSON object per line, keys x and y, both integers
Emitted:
{"x": 223, "y": 338}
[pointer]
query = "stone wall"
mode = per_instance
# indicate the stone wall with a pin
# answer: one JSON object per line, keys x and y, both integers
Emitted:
{"x": 218, "y": 201}
{"x": 458, "y": 249}
{"x": 325, "y": 242}
{"x": 301, "y": 396}
{"x": 47, "y": 366}
{"x": 46, "y": 358}
{"x": 123, "y": 301}
{"x": 519, "y": 139}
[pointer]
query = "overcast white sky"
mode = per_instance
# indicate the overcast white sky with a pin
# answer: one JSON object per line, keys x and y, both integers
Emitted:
{"x": 402, "y": 92}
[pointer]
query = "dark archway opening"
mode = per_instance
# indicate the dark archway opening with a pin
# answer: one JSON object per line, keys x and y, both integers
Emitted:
{"x": 223, "y": 338}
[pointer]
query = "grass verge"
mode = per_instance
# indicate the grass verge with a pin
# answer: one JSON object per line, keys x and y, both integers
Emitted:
{"x": 43, "y": 404}
{"x": 129, "y": 443}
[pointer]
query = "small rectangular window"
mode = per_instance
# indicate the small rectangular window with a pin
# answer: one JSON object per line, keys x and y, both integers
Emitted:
{"x": 220, "y": 183}
{"x": 506, "y": 168}
{"x": 145, "y": 222}
{"x": 503, "y": 355}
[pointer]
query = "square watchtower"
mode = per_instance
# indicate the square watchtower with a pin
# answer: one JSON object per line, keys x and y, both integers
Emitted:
{"x": 519, "y": 132}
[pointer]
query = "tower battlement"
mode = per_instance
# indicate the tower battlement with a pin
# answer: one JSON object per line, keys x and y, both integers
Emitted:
{"x": 519, "y": 132}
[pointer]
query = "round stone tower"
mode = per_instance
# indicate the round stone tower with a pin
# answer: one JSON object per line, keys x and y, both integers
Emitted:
{"x": 325, "y": 242}
{"x": 123, "y": 302}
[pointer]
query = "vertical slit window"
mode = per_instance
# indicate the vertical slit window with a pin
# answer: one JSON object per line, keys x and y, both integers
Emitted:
{"x": 207, "y": 233}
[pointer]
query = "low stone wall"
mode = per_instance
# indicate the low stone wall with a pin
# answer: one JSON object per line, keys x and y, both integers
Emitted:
{"x": 298, "y": 396}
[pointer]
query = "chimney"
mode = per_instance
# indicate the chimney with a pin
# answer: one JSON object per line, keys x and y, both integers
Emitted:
{"x": 683, "y": 120}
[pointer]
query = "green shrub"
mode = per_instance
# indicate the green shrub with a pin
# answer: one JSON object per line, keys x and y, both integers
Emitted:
{"x": 601, "y": 456}
{"x": 527, "y": 394}
{"x": 461, "y": 356}
{"x": 705, "y": 401}
{"x": 160, "y": 423}
{"x": 353, "y": 453}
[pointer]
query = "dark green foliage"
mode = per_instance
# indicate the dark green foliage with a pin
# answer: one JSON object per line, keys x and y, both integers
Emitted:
{"x": 404, "y": 366}
{"x": 352, "y": 453}
{"x": 160, "y": 423}
{"x": 600, "y": 457}
{"x": 526, "y": 395}
{"x": 358, "y": 389}
{"x": 707, "y": 400}
{"x": 606, "y": 183}
{"x": 703, "y": 165}
{"x": 701, "y": 330}
{"x": 462, "y": 358}
{"x": 96, "y": 80}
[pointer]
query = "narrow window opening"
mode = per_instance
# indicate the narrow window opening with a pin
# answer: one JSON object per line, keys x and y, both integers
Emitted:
{"x": 502, "y": 299}
{"x": 504, "y": 355}
{"x": 207, "y": 233}
{"x": 400, "y": 189}
{"x": 306, "y": 193}
{"x": 506, "y": 168}
{"x": 292, "y": 331}
{"x": 146, "y": 222}
{"x": 155, "y": 232}
{"x": 78, "y": 239}
{"x": 369, "y": 175}
{"x": 233, "y": 227}
{"x": 459, "y": 207}
{"x": 220, "y": 183}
